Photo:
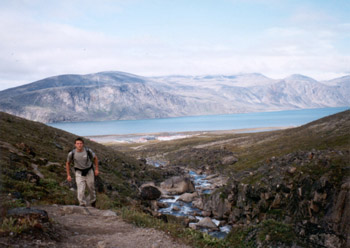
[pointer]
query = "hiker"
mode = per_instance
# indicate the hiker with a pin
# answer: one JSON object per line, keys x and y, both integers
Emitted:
{"x": 83, "y": 159}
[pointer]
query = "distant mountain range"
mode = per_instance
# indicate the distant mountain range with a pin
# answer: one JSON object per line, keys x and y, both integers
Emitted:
{"x": 120, "y": 96}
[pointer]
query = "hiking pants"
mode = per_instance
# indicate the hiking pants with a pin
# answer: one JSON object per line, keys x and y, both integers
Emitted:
{"x": 85, "y": 182}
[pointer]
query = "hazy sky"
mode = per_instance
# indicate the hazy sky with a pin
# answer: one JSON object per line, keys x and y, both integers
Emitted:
{"x": 42, "y": 38}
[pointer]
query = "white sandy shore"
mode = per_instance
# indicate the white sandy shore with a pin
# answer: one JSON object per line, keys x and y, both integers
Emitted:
{"x": 165, "y": 136}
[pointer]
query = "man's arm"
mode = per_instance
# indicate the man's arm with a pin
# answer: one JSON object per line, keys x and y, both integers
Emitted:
{"x": 68, "y": 171}
{"x": 96, "y": 166}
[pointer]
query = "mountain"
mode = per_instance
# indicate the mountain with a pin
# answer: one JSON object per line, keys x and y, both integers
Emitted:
{"x": 120, "y": 96}
{"x": 100, "y": 96}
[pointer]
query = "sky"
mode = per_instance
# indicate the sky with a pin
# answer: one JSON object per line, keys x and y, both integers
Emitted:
{"x": 43, "y": 38}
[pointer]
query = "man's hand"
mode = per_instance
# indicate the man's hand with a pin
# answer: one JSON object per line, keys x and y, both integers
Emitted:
{"x": 96, "y": 172}
{"x": 69, "y": 178}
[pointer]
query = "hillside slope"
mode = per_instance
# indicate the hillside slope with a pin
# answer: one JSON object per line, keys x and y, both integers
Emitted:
{"x": 284, "y": 187}
{"x": 32, "y": 167}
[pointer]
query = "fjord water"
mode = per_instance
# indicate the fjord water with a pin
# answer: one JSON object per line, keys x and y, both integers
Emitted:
{"x": 286, "y": 118}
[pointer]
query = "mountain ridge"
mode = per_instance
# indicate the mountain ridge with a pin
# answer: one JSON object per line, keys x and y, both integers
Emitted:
{"x": 117, "y": 95}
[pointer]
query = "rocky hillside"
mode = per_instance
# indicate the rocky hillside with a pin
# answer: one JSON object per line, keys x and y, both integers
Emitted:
{"x": 120, "y": 96}
{"x": 284, "y": 188}
{"x": 32, "y": 167}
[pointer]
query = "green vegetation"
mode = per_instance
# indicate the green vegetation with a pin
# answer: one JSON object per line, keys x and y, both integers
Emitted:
{"x": 242, "y": 237}
{"x": 173, "y": 227}
{"x": 276, "y": 232}
{"x": 269, "y": 232}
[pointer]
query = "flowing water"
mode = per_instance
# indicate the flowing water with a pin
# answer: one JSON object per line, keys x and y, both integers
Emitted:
{"x": 187, "y": 209}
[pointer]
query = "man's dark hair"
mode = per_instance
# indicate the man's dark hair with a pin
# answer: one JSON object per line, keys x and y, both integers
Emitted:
{"x": 79, "y": 139}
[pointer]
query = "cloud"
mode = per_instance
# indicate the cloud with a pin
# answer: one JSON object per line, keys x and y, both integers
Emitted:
{"x": 31, "y": 49}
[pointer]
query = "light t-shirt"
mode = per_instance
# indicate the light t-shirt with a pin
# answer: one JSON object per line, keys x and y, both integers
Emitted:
{"x": 81, "y": 160}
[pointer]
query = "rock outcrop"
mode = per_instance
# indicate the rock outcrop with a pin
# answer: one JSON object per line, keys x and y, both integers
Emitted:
{"x": 310, "y": 190}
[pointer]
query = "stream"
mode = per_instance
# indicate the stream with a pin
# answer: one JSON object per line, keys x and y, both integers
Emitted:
{"x": 186, "y": 209}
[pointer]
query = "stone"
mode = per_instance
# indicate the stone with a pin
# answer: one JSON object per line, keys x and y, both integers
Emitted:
{"x": 192, "y": 226}
{"x": 332, "y": 241}
{"x": 150, "y": 193}
{"x": 162, "y": 204}
{"x": 58, "y": 146}
{"x": 187, "y": 197}
{"x": 228, "y": 160}
{"x": 27, "y": 149}
{"x": 206, "y": 213}
{"x": 176, "y": 208}
{"x": 207, "y": 223}
{"x": 108, "y": 213}
{"x": 101, "y": 244}
{"x": 291, "y": 170}
{"x": 276, "y": 202}
{"x": 154, "y": 205}
{"x": 314, "y": 207}
{"x": 31, "y": 213}
{"x": 36, "y": 171}
{"x": 178, "y": 185}
{"x": 198, "y": 203}
{"x": 164, "y": 196}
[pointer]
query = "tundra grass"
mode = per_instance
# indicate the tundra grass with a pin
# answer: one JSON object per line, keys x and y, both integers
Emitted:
{"x": 173, "y": 228}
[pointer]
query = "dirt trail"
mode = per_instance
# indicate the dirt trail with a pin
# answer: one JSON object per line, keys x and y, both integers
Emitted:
{"x": 90, "y": 227}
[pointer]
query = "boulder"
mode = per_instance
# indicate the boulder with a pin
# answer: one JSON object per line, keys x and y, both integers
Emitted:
{"x": 228, "y": 160}
{"x": 162, "y": 204}
{"x": 192, "y": 226}
{"x": 28, "y": 176}
{"x": 108, "y": 213}
{"x": 178, "y": 185}
{"x": 36, "y": 171}
{"x": 176, "y": 208}
{"x": 187, "y": 197}
{"x": 207, "y": 223}
{"x": 31, "y": 213}
{"x": 150, "y": 193}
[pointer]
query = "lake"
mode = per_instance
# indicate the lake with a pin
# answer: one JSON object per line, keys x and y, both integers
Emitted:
{"x": 199, "y": 123}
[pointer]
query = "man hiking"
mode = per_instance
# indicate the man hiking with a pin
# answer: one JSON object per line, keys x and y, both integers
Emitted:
{"x": 83, "y": 159}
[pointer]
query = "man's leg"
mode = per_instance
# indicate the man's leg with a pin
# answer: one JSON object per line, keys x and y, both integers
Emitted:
{"x": 81, "y": 184}
{"x": 90, "y": 182}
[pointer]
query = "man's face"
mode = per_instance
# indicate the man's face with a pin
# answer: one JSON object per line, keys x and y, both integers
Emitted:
{"x": 79, "y": 145}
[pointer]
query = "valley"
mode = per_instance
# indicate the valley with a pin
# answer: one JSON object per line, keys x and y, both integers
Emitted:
{"x": 275, "y": 188}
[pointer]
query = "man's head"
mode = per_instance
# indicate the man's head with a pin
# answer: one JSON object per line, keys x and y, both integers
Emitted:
{"x": 79, "y": 143}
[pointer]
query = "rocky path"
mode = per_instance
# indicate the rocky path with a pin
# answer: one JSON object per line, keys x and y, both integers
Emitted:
{"x": 90, "y": 227}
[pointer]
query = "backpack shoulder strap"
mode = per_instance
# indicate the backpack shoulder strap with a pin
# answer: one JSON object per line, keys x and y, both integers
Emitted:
{"x": 73, "y": 152}
{"x": 89, "y": 153}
